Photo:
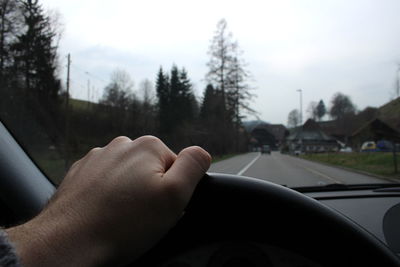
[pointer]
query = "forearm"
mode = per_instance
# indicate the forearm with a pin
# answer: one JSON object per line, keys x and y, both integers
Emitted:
{"x": 54, "y": 244}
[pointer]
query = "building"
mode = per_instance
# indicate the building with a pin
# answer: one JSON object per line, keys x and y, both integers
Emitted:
{"x": 374, "y": 130}
{"x": 263, "y": 133}
{"x": 310, "y": 138}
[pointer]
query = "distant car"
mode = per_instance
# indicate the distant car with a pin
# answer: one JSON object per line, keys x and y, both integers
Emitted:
{"x": 369, "y": 146}
{"x": 346, "y": 149}
{"x": 266, "y": 149}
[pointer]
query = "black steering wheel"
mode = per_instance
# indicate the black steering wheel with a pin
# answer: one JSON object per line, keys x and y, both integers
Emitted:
{"x": 239, "y": 210}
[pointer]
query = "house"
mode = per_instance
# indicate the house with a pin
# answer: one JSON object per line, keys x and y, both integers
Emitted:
{"x": 374, "y": 130}
{"x": 310, "y": 138}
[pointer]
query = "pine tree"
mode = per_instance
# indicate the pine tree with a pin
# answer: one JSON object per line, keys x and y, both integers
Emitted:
{"x": 36, "y": 55}
{"x": 212, "y": 115}
{"x": 321, "y": 109}
{"x": 163, "y": 95}
{"x": 10, "y": 26}
{"x": 188, "y": 100}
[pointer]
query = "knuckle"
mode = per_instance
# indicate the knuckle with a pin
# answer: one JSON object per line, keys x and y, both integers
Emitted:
{"x": 94, "y": 151}
{"x": 75, "y": 164}
{"x": 199, "y": 157}
{"x": 120, "y": 139}
{"x": 148, "y": 140}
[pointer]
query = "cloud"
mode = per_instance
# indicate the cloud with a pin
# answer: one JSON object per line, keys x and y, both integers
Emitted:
{"x": 320, "y": 46}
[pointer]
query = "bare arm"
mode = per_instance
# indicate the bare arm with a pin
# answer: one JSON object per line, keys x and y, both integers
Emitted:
{"x": 113, "y": 205}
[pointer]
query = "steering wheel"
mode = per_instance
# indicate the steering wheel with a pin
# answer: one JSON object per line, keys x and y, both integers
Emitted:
{"x": 241, "y": 210}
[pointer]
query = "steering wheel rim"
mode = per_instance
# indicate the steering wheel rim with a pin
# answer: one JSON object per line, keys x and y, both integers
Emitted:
{"x": 229, "y": 208}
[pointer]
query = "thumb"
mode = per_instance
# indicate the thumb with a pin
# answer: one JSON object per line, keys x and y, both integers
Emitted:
{"x": 187, "y": 170}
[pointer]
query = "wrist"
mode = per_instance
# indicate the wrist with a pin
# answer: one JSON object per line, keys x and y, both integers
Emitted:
{"x": 41, "y": 242}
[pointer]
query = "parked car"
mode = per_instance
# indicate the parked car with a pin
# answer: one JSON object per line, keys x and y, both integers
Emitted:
{"x": 384, "y": 146}
{"x": 346, "y": 149}
{"x": 369, "y": 146}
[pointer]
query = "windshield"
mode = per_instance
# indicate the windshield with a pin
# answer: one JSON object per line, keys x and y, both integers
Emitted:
{"x": 300, "y": 93}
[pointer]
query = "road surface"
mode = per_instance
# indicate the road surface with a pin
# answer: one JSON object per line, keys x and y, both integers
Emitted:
{"x": 287, "y": 170}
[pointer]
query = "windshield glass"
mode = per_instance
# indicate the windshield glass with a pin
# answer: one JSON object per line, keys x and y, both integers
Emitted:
{"x": 300, "y": 93}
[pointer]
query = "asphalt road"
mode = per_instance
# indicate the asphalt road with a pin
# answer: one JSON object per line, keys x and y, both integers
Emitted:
{"x": 288, "y": 170}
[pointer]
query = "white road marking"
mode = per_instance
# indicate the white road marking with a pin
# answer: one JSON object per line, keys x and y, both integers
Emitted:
{"x": 322, "y": 175}
{"x": 249, "y": 165}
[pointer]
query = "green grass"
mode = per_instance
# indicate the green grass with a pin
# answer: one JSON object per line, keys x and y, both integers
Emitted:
{"x": 223, "y": 157}
{"x": 375, "y": 162}
{"x": 78, "y": 104}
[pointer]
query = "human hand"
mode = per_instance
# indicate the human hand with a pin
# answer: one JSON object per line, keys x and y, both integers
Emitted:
{"x": 113, "y": 205}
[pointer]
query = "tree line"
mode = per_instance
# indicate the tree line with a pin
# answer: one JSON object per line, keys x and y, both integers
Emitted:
{"x": 341, "y": 108}
{"x": 30, "y": 89}
{"x": 33, "y": 102}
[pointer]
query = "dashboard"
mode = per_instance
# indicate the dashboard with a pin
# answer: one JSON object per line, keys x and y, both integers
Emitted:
{"x": 376, "y": 210}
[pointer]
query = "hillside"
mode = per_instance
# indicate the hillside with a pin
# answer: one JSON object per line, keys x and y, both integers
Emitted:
{"x": 78, "y": 104}
{"x": 390, "y": 113}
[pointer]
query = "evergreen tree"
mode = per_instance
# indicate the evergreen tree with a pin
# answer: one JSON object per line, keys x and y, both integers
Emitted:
{"x": 176, "y": 101}
{"x": 212, "y": 114}
{"x": 36, "y": 56}
{"x": 10, "y": 26}
{"x": 163, "y": 95}
{"x": 321, "y": 109}
{"x": 188, "y": 102}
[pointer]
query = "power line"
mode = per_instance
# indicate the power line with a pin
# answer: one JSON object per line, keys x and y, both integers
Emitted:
{"x": 89, "y": 74}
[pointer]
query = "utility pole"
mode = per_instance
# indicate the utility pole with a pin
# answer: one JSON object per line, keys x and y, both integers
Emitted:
{"x": 397, "y": 81}
{"x": 66, "y": 145}
{"x": 88, "y": 93}
{"x": 301, "y": 118}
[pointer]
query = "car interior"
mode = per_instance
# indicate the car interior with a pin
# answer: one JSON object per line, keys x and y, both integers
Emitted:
{"x": 268, "y": 203}
{"x": 241, "y": 221}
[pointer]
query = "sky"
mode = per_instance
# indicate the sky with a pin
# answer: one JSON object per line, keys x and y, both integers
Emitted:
{"x": 320, "y": 47}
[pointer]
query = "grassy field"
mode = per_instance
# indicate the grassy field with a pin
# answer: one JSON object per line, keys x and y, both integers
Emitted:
{"x": 376, "y": 163}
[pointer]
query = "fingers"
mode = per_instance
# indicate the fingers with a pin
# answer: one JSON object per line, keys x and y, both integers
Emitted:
{"x": 187, "y": 170}
{"x": 154, "y": 146}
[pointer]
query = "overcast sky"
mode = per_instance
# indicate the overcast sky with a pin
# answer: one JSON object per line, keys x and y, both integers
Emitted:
{"x": 321, "y": 47}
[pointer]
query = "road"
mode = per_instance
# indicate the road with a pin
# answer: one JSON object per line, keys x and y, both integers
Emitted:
{"x": 287, "y": 170}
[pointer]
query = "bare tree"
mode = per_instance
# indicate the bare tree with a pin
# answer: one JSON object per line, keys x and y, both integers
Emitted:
{"x": 293, "y": 118}
{"x": 146, "y": 91}
{"x": 227, "y": 74}
{"x": 119, "y": 91}
{"x": 221, "y": 53}
{"x": 312, "y": 110}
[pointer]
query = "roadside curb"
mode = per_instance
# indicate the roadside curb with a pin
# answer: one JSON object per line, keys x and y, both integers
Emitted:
{"x": 392, "y": 180}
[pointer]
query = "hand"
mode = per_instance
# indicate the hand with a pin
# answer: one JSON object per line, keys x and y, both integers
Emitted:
{"x": 113, "y": 205}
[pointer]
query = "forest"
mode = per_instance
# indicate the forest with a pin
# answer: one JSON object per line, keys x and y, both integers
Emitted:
{"x": 36, "y": 106}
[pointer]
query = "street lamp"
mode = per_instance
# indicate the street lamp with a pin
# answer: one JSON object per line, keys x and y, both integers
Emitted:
{"x": 397, "y": 81}
{"x": 301, "y": 119}
{"x": 301, "y": 105}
